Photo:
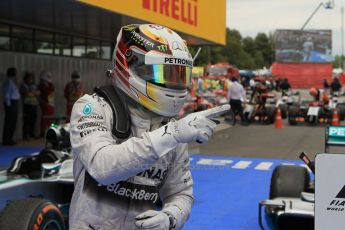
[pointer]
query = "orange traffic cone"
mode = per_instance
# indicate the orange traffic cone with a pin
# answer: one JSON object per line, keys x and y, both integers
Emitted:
{"x": 278, "y": 124}
{"x": 335, "y": 118}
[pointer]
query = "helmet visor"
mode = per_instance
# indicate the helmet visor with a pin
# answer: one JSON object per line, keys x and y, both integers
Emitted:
{"x": 170, "y": 76}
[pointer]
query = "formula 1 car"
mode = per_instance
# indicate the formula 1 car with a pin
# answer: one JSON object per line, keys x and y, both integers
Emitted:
{"x": 288, "y": 99}
{"x": 264, "y": 110}
{"x": 35, "y": 191}
{"x": 292, "y": 203}
{"x": 291, "y": 198}
{"x": 312, "y": 113}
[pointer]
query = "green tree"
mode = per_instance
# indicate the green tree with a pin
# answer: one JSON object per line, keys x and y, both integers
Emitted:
{"x": 338, "y": 61}
{"x": 248, "y": 44}
{"x": 264, "y": 45}
{"x": 244, "y": 53}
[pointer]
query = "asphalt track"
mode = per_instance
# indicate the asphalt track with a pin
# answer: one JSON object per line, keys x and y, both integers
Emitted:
{"x": 232, "y": 171}
{"x": 265, "y": 141}
{"x": 227, "y": 191}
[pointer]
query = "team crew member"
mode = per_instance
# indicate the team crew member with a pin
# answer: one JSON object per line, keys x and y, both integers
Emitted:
{"x": 237, "y": 95}
{"x": 285, "y": 86}
{"x": 319, "y": 95}
{"x": 131, "y": 165}
{"x": 73, "y": 91}
{"x": 46, "y": 99}
{"x": 335, "y": 85}
{"x": 30, "y": 103}
{"x": 11, "y": 98}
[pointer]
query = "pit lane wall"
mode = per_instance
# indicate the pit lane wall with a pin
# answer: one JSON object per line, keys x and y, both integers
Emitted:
{"x": 303, "y": 75}
{"x": 92, "y": 72}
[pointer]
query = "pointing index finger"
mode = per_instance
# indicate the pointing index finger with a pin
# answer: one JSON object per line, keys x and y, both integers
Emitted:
{"x": 216, "y": 111}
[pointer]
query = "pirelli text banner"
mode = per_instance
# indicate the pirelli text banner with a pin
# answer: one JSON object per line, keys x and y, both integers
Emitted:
{"x": 200, "y": 18}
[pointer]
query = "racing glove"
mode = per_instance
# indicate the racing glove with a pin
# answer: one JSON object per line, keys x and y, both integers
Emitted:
{"x": 197, "y": 127}
{"x": 153, "y": 220}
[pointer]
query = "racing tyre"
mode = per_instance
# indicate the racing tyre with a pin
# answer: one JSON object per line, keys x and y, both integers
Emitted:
{"x": 289, "y": 181}
{"x": 271, "y": 114}
{"x": 31, "y": 213}
{"x": 292, "y": 114}
{"x": 283, "y": 110}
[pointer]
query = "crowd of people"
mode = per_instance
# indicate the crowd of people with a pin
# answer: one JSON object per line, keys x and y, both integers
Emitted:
{"x": 39, "y": 98}
{"x": 254, "y": 90}
{"x": 323, "y": 95}
{"x": 35, "y": 99}
{"x": 237, "y": 88}
{"x": 334, "y": 86}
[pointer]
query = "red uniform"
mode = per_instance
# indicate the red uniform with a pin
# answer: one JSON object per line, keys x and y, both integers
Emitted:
{"x": 73, "y": 91}
{"x": 47, "y": 104}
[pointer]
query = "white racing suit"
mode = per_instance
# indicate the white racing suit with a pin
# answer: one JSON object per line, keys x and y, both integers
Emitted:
{"x": 117, "y": 180}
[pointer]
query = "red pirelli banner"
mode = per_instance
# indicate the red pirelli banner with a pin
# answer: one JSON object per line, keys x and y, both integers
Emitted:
{"x": 303, "y": 75}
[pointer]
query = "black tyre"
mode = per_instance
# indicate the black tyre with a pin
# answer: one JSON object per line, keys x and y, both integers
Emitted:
{"x": 283, "y": 110}
{"x": 271, "y": 114}
{"x": 289, "y": 181}
{"x": 292, "y": 115}
{"x": 31, "y": 213}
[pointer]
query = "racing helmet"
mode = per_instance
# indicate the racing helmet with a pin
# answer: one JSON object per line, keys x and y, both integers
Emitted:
{"x": 313, "y": 92}
{"x": 152, "y": 65}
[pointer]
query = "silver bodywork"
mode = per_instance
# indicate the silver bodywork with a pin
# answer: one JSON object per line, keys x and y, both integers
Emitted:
{"x": 56, "y": 186}
{"x": 285, "y": 206}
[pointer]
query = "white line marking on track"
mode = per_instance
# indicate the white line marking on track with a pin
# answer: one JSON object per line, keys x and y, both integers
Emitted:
{"x": 242, "y": 164}
{"x": 261, "y": 165}
{"x": 288, "y": 163}
{"x": 264, "y": 166}
{"x": 214, "y": 162}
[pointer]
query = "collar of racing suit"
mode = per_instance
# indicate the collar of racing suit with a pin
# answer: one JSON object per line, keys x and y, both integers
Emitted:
{"x": 143, "y": 120}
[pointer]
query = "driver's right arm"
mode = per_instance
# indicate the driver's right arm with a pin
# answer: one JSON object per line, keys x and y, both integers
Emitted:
{"x": 93, "y": 144}
{"x": 109, "y": 162}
